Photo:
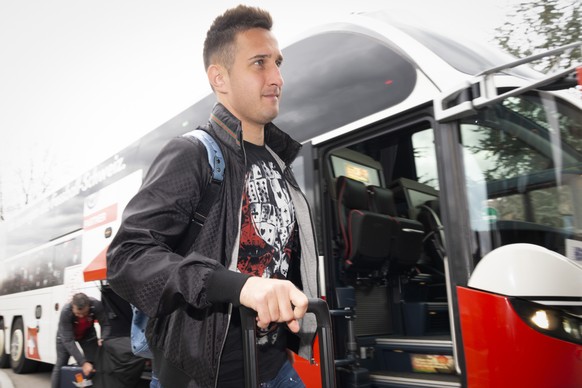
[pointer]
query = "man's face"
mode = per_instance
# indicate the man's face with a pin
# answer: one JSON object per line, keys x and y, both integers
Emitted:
{"x": 254, "y": 82}
{"x": 80, "y": 313}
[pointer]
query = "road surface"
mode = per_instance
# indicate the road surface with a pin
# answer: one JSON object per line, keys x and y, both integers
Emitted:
{"x": 9, "y": 379}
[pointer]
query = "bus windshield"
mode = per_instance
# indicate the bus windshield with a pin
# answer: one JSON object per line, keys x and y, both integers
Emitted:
{"x": 523, "y": 174}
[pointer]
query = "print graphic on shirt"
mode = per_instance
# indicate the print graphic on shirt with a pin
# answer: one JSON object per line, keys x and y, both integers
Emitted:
{"x": 267, "y": 225}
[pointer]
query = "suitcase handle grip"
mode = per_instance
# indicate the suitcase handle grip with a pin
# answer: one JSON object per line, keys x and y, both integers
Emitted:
{"x": 316, "y": 306}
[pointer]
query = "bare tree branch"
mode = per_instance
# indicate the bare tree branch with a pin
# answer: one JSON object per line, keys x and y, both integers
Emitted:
{"x": 24, "y": 184}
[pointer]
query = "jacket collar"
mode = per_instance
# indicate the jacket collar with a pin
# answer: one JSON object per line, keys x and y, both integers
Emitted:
{"x": 228, "y": 129}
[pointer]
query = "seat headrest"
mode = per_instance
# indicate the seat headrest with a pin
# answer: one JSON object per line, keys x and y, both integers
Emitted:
{"x": 352, "y": 193}
{"x": 383, "y": 200}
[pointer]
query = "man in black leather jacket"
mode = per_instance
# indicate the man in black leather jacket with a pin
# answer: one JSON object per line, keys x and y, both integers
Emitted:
{"x": 257, "y": 247}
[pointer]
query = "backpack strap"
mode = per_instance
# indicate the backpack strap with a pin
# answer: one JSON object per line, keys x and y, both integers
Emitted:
{"x": 215, "y": 158}
{"x": 207, "y": 199}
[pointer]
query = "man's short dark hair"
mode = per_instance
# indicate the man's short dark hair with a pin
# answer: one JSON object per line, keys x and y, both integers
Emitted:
{"x": 220, "y": 38}
{"x": 81, "y": 301}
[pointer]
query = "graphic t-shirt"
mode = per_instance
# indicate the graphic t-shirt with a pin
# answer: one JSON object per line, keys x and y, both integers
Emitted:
{"x": 268, "y": 247}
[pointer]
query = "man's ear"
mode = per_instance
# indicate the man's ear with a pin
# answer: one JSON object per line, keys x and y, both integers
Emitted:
{"x": 218, "y": 77}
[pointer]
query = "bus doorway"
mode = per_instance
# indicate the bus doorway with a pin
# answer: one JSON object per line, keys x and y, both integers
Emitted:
{"x": 386, "y": 245}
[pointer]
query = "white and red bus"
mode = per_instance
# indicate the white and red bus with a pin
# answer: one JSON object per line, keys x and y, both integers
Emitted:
{"x": 446, "y": 188}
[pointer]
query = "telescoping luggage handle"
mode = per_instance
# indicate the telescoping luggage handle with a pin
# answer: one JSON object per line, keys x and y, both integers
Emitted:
{"x": 321, "y": 311}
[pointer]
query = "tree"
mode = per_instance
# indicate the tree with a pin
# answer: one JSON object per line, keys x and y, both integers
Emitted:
{"x": 535, "y": 26}
{"x": 31, "y": 180}
{"x": 35, "y": 177}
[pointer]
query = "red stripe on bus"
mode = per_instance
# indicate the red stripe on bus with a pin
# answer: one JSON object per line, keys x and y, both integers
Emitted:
{"x": 97, "y": 268}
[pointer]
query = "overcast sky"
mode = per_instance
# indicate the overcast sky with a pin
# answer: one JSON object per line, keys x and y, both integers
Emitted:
{"x": 82, "y": 79}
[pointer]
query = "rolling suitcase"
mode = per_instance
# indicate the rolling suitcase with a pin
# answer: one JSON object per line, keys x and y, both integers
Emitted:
{"x": 321, "y": 311}
{"x": 72, "y": 377}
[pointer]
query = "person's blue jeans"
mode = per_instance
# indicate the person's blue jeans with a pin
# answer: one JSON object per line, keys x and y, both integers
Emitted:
{"x": 155, "y": 383}
{"x": 286, "y": 378}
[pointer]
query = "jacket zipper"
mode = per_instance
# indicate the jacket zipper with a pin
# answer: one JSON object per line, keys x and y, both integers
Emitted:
{"x": 222, "y": 347}
{"x": 237, "y": 242}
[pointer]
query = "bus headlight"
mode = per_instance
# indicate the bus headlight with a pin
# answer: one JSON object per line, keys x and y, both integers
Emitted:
{"x": 571, "y": 328}
{"x": 541, "y": 319}
{"x": 549, "y": 320}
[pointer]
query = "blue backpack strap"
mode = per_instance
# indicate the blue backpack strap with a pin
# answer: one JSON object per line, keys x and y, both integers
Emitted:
{"x": 217, "y": 166}
{"x": 215, "y": 158}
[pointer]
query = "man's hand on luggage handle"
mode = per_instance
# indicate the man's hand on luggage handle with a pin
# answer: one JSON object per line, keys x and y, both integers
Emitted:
{"x": 87, "y": 368}
{"x": 274, "y": 300}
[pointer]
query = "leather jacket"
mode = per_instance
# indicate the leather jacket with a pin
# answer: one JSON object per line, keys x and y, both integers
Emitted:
{"x": 190, "y": 295}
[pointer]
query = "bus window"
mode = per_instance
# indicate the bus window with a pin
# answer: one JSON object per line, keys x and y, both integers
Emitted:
{"x": 425, "y": 158}
{"x": 509, "y": 207}
{"x": 523, "y": 160}
{"x": 67, "y": 254}
{"x": 550, "y": 212}
{"x": 338, "y": 79}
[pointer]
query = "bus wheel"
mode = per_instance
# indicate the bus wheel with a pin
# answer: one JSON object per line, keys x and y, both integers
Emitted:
{"x": 4, "y": 357}
{"x": 18, "y": 360}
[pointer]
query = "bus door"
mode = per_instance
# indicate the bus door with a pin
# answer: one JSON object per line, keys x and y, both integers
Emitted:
{"x": 522, "y": 159}
{"x": 385, "y": 254}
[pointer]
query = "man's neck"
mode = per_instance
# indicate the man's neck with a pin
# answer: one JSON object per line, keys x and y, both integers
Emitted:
{"x": 254, "y": 135}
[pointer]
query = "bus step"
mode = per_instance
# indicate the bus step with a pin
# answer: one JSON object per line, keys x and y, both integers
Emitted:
{"x": 427, "y": 355}
{"x": 405, "y": 380}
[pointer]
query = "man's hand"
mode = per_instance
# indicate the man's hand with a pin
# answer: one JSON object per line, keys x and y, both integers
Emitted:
{"x": 87, "y": 368}
{"x": 274, "y": 300}
{"x": 100, "y": 342}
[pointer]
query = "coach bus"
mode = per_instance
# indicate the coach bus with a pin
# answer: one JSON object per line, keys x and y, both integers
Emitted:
{"x": 445, "y": 180}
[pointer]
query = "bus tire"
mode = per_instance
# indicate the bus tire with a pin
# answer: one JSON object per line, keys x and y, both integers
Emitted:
{"x": 18, "y": 361}
{"x": 4, "y": 357}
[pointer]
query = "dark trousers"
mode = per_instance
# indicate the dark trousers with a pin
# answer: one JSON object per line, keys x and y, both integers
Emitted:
{"x": 117, "y": 366}
{"x": 89, "y": 346}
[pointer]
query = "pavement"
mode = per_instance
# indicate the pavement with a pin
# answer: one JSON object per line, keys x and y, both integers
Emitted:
{"x": 5, "y": 381}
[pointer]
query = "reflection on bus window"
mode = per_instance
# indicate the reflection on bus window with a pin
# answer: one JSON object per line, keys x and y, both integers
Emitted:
{"x": 509, "y": 207}
{"x": 40, "y": 268}
{"x": 425, "y": 158}
{"x": 523, "y": 166}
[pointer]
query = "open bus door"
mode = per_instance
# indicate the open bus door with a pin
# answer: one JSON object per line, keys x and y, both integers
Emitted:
{"x": 520, "y": 311}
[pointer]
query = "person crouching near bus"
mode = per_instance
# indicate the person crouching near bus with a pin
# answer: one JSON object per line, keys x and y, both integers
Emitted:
{"x": 77, "y": 325}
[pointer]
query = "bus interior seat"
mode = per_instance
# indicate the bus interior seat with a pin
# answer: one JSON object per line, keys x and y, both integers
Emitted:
{"x": 355, "y": 165}
{"x": 407, "y": 241}
{"x": 382, "y": 200}
{"x": 366, "y": 250}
